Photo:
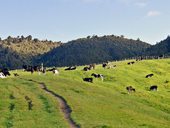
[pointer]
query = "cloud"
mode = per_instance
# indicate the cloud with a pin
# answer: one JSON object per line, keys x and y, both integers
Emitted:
{"x": 153, "y": 13}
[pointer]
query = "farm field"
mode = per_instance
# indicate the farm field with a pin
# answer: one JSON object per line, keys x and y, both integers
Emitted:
{"x": 101, "y": 104}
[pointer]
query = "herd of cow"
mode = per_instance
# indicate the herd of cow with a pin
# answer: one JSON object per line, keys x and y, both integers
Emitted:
{"x": 40, "y": 69}
{"x": 108, "y": 66}
{"x": 5, "y": 72}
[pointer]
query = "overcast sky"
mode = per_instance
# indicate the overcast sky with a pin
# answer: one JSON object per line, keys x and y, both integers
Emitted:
{"x": 64, "y": 20}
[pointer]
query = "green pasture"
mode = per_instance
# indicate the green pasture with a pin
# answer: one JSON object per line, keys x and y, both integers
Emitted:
{"x": 99, "y": 104}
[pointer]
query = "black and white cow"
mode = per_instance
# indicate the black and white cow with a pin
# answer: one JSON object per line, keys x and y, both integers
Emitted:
{"x": 88, "y": 80}
{"x": 149, "y": 75}
{"x": 153, "y": 88}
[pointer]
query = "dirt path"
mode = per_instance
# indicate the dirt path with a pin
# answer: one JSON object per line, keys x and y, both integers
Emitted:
{"x": 64, "y": 107}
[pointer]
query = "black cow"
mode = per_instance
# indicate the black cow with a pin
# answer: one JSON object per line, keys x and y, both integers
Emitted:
{"x": 88, "y": 80}
{"x": 132, "y": 62}
{"x": 71, "y": 68}
{"x": 25, "y": 67}
{"x": 129, "y": 63}
{"x": 36, "y": 68}
{"x": 86, "y": 69}
{"x": 51, "y": 70}
{"x": 153, "y": 88}
{"x": 5, "y": 72}
{"x": 104, "y": 65}
{"x": 149, "y": 75}
{"x": 130, "y": 89}
{"x": 44, "y": 71}
{"x": 16, "y": 74}
{"x": 97, "y": 76}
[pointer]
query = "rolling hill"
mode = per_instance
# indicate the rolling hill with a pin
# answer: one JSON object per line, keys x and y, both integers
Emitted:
{"x": 161, "y": 48}
{"x": 16, "y": 51}
{"x": 93, "y": 50}
{"x": 99, "y": 104}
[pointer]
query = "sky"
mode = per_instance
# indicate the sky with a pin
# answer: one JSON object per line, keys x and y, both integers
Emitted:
{"x": 66, "y": 20}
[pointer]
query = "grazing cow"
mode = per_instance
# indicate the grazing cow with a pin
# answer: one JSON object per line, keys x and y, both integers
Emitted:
{"x": 153, "y": 88}
{"x": 139, "y": 59}
{"x": 166, "y": 81}
{"x": 130, "y": 89}
{"x": 2, "y": 75}
{"x": 36, "y": 68}
{"x": 88, "y": 80}
{"x": 32, "y": 70}
{"x": 104, "y": 65}
{"x": 24, "y": 67}
{"x": 16, "y": 74}
{"x": 132, "y": 62}
{"x": 52, "y": 69}
{"x": 86, "y": 69}
{"x": 44, "y": 71}
{"x": 129, "y": 63}
{"x": 97, "y": 76}
{"x": 161, "y": 56}
{"x": 92, "y": 66}
{"x": 149, "y": 75}
{"x": 55, "y": 72}
{"x": 114, "y": 65}
{"x": 71, "y": 68}
{"x": 5, "y": 72}
{"x": 28, "y": 68}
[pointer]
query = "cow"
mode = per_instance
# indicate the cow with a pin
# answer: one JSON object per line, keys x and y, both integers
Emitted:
{"x": 52, "y": 69}
{"x": 149, "y": 75}
{"x": 153, "y": 88}
{"x": 5, "y": 72}
{"x": 130, "y": 89}
{"x": 88, "y": 80}
{"x": 55, "y": 72}
{"x": 132, "y": 62}
{"x": 86, "y": 69}
{"x": 16, "y": 74}
{"x": 28, "y": 68}
{"x": 71, "y": 68}
{"x": 104, "y": 65}
{"x": 44, "y": 71}
{"x": 92, "y": 66}
{"x": 2, "y": 75}
{"x": 97, "y": 76}
{"x": 129, "y": 63}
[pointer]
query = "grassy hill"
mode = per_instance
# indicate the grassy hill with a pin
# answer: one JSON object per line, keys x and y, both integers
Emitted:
{"x": 94, "y": 105}
{"x": 93, "y": 50}
{"x": 16, "y": 51}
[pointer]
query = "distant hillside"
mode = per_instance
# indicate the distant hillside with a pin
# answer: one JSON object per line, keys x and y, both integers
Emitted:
{"x": 93, "y": 50}
{"x": 161, "y": 48}
{"x": 14, "y": 52}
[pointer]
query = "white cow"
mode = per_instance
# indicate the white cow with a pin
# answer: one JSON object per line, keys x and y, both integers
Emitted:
{"x": 55, "y": 72}
{"x": 2, "y": 75}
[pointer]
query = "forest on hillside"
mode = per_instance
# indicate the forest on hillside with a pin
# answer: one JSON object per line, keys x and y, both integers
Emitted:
{"x": 17, "y": 51}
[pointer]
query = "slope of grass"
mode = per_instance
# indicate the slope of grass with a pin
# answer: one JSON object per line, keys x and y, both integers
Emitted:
{"x": 95, "y": 105}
